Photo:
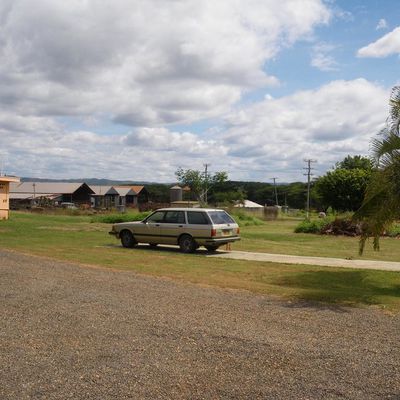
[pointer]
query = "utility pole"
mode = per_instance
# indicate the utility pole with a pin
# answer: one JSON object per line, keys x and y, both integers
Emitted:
{"x": 34, "y": 193}
{"x": 309, "y": 175}
{"x": 206, "y": 165}
{"x": 276, "y": 192}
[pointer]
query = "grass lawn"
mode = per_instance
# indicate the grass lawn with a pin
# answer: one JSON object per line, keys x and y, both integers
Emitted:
{"x": 75, "y": 238}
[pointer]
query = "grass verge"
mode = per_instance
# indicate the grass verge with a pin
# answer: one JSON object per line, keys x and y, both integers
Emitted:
{"x": 77, "y": 239}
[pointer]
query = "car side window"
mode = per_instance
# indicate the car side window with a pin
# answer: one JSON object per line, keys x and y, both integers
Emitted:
{"x": 174, "y": 217}
{"x": 158, "y": 216}
{"x": 197, "y": 218}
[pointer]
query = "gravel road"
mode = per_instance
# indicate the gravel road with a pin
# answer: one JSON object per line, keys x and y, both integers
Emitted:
{"x": 79, "y": 332}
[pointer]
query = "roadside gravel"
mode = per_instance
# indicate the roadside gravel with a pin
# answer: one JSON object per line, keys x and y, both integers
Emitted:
{"x": 71, "y": 331}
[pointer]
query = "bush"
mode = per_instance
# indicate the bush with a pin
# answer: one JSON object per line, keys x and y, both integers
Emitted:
{"x": 116, "y": 218}
{"x": 394, "y": 231}
{"x": 311, "y": 226}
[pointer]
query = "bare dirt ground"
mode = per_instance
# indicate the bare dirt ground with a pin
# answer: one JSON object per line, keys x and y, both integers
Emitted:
{"x": 71, "y": 331}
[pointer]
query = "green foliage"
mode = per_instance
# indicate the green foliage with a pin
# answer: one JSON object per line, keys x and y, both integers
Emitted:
{"x": 158, "y": 192}
{"x": 116, "y": 218}
{"x": 200, "y": 183}
{"x": 355, "y": 162}
{"x": 343, "y": 189}
{"x": 292, "y": 194}
{"x": 311, "y": 226}
{"x": 381, "y": 205}
{"x": 394, "y": 231}
{"x": 228, "y": 197}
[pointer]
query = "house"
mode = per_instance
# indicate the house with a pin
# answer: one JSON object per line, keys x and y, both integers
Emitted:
{"x": 125, "y": 196}
{"x": 5, "y": 182}
{"x": 97, "y": 199}
{"x": 44, "y": 193}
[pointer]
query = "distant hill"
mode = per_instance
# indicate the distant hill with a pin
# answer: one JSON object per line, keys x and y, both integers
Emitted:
{"x": 94, "y": 181}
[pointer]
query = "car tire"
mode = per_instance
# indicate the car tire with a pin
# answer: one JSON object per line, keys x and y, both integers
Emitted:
{"x": 211, "y": 249}
{"x": 127, "y": 239}
{"x": 187, "y": 244}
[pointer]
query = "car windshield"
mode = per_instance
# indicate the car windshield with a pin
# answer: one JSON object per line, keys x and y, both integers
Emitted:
{"x": 220, "y": 217}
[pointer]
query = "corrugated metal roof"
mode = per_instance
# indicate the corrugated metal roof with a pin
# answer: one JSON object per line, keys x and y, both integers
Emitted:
{"x": 121, "y": 191}
{"x": 45, "y": 187}
{"x": 136, "y": 189}
{"x": 249, "y": 204}
{"x": 100, "y": 190}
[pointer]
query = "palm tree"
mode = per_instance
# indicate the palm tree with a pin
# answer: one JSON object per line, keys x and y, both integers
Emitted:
{"x": 381, "y": 205}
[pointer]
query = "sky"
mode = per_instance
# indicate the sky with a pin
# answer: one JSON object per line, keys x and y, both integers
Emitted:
{"x": 135, "y": 89}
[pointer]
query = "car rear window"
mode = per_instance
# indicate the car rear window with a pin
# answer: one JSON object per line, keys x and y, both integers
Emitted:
{"x": 197, "y": 218}
{"x": 220, "y": 217}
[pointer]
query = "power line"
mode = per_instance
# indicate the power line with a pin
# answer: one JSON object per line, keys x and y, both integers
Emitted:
{"x": 308, "y": 174}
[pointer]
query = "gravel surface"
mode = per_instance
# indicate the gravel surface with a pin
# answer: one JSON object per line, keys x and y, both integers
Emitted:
{"x": 71, "y": 331}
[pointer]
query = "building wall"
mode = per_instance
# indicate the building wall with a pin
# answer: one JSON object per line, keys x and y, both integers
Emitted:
{"x": 4, "y": 200}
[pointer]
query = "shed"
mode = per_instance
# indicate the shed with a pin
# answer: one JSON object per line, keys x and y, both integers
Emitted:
{"x": 34, "y": 192}
{"x": 248, "y": 204}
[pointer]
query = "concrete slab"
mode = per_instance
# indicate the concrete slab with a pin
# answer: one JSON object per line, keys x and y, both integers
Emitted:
{"x": 322, "y": 261}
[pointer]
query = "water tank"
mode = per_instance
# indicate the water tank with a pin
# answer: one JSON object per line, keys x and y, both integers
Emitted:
{"x": 175, "y": 193}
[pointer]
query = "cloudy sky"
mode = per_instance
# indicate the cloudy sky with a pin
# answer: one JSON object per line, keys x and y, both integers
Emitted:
{"x": 134, "y": 89}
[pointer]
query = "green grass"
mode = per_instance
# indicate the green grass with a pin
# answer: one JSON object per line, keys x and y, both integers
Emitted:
{"x": 115, "y": 218}
{"x": 78, "y": 239}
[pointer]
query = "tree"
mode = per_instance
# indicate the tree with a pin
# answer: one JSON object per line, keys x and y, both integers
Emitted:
{"x": 381, "y": 205}
{"x": 355, "y": 162}
{"x": 343, "y": 188}
{"x": 199, "y": 182}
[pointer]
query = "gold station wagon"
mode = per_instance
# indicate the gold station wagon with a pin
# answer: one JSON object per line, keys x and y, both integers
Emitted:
{"x": 189, "y": 228}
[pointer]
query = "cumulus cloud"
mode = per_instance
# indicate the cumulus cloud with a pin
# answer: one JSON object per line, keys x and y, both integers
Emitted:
{"x": 257, "y": 140}
{"x": 383, "y": 47}
{"x": 326, "y": 124}
{"x": 144, "y": 63}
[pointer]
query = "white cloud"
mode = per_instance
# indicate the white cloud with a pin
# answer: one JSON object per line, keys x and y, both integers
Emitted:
{"x": 382, "y": 24}
{"x": 270, "y": 137}
{"x": 328, "y": 123}
{"x": 321, "y": 59}
{"x": 383, "y": 47}
{"x": 146, "y": 62}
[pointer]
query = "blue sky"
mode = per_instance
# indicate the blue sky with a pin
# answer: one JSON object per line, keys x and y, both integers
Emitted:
{"x": 115, "y": 90}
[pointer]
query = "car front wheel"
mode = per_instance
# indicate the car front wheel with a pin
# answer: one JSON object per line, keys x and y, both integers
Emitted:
{"x": 127, "y": 239}
{"x": 187, "y": 244}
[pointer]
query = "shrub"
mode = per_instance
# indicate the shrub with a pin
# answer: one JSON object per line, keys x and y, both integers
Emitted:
{"x": 394, "y": 231}
{"x": 311, "y": 226}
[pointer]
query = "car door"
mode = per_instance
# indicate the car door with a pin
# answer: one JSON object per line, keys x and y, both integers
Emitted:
{"x": 172, "y": 226}
{"x": 149, "y": 230}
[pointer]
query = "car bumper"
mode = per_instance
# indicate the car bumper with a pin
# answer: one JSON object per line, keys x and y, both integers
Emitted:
{"x": 222, "y": 240}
